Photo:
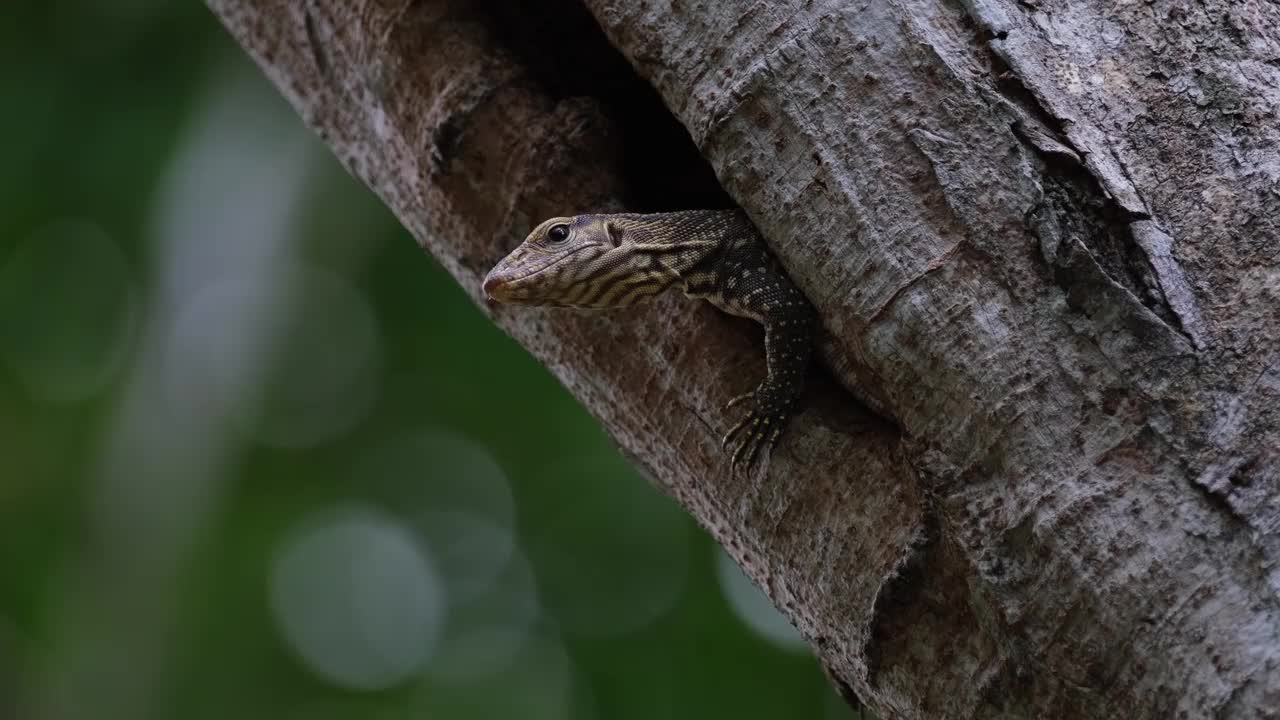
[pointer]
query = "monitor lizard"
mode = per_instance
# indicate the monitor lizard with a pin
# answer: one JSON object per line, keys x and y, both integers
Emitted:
{"x": 617, "y": 260}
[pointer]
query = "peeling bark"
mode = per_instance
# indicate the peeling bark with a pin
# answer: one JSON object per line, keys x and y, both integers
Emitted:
{"x": 1041, "y": 235}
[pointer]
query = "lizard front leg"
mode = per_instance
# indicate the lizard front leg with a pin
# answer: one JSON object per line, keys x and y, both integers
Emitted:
{"x": 788, "y": 343}
{"x": 749, "y": 283}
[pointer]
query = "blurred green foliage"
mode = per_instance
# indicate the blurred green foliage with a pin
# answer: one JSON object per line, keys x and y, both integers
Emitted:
{"x": 174, "y": 562}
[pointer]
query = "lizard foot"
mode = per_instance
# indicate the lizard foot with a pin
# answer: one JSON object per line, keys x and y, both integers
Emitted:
{"x": 754, "y": 437}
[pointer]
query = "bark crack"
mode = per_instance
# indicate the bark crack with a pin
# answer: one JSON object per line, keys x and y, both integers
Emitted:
{"x": 934, "y": 265}
{"x": 1109, "y": 215}
{"x": 1082, "y": 231}
{"x": 317, "y": 47}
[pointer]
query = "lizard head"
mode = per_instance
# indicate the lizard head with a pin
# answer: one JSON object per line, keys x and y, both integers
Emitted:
{"x": 579, "y": 261}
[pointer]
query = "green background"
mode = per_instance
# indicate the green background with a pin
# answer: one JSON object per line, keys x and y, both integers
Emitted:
{"x": 260, "y": 457}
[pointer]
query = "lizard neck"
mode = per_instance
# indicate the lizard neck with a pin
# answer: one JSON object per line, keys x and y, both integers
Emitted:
{"x": 678, "y": 244}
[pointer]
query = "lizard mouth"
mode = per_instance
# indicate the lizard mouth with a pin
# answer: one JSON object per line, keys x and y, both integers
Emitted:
{"x": 498, "y": 284}
{"x": 512, "y": 283}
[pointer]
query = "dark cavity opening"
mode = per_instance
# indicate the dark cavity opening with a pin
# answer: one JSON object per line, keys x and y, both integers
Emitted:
{"x": 566, "y": 52}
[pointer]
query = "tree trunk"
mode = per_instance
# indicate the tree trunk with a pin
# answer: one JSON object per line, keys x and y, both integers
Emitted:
{"x": 1042, "y": 237}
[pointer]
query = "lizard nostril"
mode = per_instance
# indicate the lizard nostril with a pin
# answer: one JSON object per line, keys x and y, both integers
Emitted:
{"x": 493, "y": 283}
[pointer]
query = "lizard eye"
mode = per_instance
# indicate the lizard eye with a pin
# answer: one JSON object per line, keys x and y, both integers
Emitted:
{"x": 558, "y": 233}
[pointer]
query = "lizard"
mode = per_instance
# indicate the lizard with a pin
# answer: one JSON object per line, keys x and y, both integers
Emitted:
{"x": 620, "y": 259}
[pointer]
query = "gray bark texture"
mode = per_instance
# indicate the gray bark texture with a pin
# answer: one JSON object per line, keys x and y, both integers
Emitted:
{"x": 1042, "y": 236}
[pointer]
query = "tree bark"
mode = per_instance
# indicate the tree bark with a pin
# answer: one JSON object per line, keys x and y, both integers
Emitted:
{"x": 1043, "y": 240}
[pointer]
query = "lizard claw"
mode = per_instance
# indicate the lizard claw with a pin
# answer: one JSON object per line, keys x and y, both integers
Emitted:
{"x": 753, "y": 438}
{"x": 734, "y": 403}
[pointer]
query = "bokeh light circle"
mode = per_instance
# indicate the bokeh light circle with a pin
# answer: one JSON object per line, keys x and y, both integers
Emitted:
{"x": 457, "y": 500}
{"x": 540, "y": 683}
{"x": 753, "y": 607}
{"x": 325, "y": 368}
{"x": 618, "y": 555}
{"x": 432, "y": 471}
{"x": 357, "y": 599}
{"x": 485, "y": 632}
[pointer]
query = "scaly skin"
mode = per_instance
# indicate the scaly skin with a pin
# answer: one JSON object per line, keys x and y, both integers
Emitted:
{"x": 597, "y": 261}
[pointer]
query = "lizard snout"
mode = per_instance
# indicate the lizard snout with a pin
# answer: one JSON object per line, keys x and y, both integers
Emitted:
{"x": 495, "y": 284}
